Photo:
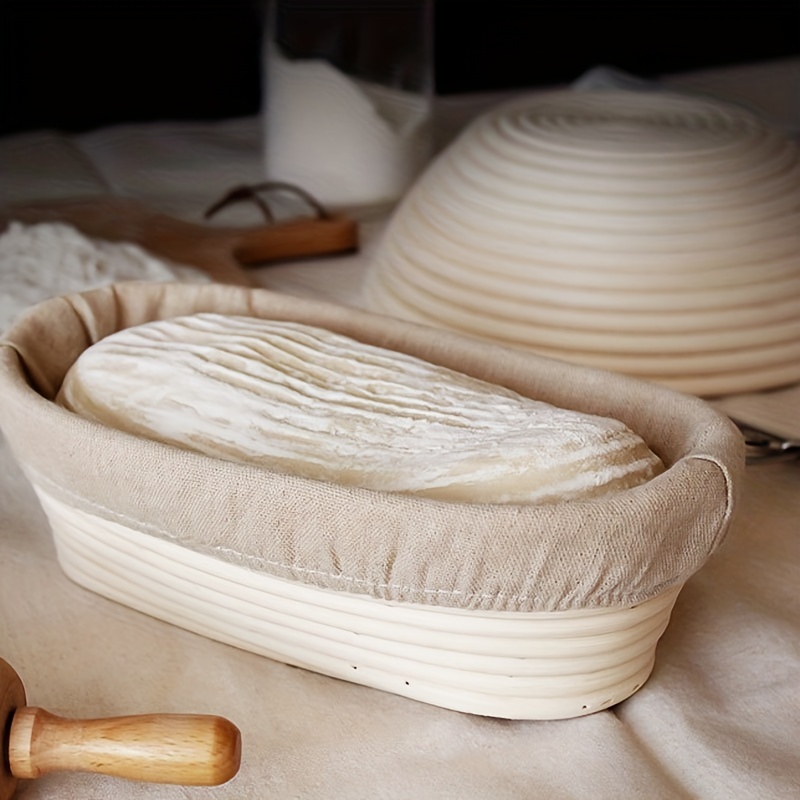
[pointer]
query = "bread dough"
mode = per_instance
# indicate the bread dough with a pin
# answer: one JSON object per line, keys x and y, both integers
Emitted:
{"x": 307, "y": 401}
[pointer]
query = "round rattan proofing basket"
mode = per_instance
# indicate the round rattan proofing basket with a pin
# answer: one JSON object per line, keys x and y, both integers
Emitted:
{"x": 648, "y": 233}
{"x": 515, "y": 611}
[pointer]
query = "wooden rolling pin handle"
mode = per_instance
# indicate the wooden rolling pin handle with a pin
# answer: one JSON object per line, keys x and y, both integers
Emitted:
{"x": 189, "y": 749}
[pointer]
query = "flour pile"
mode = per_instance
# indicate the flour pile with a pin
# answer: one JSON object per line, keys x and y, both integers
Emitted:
{"x": 49, "y": 259}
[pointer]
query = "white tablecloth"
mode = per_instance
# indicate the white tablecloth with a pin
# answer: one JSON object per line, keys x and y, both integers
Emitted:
{"x": 719, "y": 718}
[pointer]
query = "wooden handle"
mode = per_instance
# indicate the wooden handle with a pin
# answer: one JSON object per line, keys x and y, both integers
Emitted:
{"x": 294, "y": 239}
{"x": 189, "y": 749}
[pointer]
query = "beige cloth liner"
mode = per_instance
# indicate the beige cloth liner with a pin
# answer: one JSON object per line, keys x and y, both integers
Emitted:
{"x": 614, "y": 551}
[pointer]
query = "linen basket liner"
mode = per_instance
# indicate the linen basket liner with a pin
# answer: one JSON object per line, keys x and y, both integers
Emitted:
{"x": 607, "y": 552}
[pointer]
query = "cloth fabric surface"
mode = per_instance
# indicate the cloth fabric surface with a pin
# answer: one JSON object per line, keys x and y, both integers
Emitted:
{"x": 717, "y": 719}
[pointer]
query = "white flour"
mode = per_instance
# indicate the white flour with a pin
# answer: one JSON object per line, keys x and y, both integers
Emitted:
{"x": 349, "y": 143}
{"x": 49, "y": 259}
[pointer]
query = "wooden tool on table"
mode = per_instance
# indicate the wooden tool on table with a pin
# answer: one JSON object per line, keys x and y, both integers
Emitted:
{"x": 221, "y": 252}
{"x": 188, "y": 749}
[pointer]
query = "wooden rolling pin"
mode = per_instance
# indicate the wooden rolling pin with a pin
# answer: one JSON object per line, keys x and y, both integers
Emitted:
{"x": 187, "y": 749}
{"x": 222, "y": 252}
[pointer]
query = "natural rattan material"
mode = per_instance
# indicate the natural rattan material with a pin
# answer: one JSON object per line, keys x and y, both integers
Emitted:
{"x": 649, "y": 233}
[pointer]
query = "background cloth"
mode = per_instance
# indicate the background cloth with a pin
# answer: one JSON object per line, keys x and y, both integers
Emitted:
{"x": 717, "y": 719}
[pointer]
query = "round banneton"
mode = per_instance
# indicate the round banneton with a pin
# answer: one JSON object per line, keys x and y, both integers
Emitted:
{"x": 648, "y": 233}
{"x": 516, "y": 665}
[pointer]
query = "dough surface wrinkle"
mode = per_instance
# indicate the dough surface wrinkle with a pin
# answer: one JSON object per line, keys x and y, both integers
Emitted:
{"x": 300, "y": 399}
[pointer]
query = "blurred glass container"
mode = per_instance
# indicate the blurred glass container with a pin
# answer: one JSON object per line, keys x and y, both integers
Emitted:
{"x": 348, "y": 101}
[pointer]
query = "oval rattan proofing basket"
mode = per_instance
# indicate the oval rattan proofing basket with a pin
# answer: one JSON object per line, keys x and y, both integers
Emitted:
{"x": 516, "y": 611}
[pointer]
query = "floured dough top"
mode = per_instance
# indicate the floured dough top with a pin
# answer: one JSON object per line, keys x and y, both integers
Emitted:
{"x": 304, "y": 400}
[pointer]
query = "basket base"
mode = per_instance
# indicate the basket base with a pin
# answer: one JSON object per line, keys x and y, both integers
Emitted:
{"x": 513, "y": 665}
